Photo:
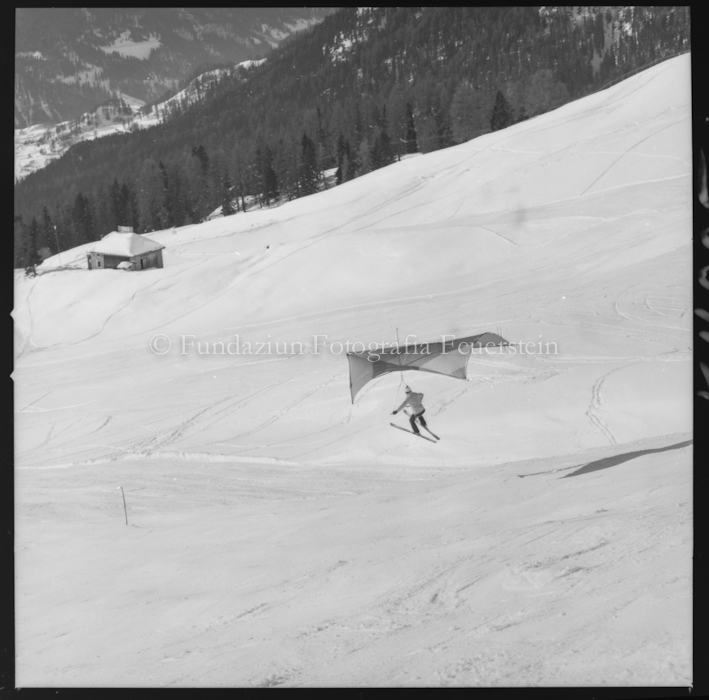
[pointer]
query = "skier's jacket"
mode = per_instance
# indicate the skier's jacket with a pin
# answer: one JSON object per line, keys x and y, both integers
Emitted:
{"x": 413, "y": 400}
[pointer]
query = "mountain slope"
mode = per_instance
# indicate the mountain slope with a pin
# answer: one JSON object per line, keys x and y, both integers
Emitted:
{"x": 278, "y": 534}
{"x": 441, "y": 235}
{"x": 68, "y": 60}
{"x": 37, "y": 145}
{"x": 365, "y": 85}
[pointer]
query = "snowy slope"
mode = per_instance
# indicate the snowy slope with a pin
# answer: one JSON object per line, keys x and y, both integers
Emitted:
{"x": 278, "y": 534}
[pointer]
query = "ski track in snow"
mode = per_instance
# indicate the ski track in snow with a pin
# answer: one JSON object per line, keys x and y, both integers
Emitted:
{"x": 596, "y": 408}
{"x": 617, "y": 160}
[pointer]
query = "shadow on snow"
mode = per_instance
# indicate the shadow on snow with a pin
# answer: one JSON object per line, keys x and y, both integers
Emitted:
{"x": 615, "y": 460}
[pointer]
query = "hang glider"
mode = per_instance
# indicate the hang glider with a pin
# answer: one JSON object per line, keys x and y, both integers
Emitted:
{"x": 449, "y": 358}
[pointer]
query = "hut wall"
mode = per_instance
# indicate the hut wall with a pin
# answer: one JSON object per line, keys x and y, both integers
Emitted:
{"x": 152, "y": 259}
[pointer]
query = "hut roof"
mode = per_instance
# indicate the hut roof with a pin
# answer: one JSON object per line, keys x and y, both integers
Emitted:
{"x": 125, "y": 244}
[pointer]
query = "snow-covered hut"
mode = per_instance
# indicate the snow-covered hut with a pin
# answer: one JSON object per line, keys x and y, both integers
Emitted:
{"x": 120, "y": 247}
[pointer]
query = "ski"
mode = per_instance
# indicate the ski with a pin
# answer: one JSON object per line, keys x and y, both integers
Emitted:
{"x": 431, "y": 432}
{"x": 406, "y": 430}
{"x": 428, "y": 430}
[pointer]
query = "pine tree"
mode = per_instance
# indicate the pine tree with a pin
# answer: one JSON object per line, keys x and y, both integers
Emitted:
{"x": 32, "y": 258}
{"x": 178, "y": 202}
{"x": 116, "y": 206}
{"x": 20, "y": 241}
{"x": 130, "y": 201}
{"x": 364, "y": 158}
{"x": 441, "y": 118}
{"x": 466, "y": 122}
{"x": 103, "y": 214}
{"x": 152, "y": 197}
{"x": 48, "y": 237}
{"x": 381, "y": 153}
{"x": 411, "y": 137}
{"x": 322, "y": 143}
{"x": 226, "y": 193}
{"x": 608, "y": 67}
{"x": 286, "y": 166}
{"x": 501, "y": 113}
{"x": 201, "y": 154}
{"x": 239, "y": 184}
{"x": 309, "y": 174}
{"x": 544, "y": 93}
{"x": 83, "y": 220}
{"x": 198, "y": 183}
{"x": 269, "y": 179}
{"x": 343, "y": 152}
{"x": 358, "y": 128}
{"x": 169, "y": 218}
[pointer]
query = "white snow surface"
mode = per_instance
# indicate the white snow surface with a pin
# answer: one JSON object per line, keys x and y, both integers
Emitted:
{"x": 280, "y": 536}
{"x": 126, "y": 46}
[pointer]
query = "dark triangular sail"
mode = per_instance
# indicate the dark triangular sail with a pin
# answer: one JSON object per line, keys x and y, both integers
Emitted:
{"x": 449, "y": 358}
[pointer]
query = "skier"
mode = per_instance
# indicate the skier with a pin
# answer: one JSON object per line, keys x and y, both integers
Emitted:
{"x": 414, "y": 400}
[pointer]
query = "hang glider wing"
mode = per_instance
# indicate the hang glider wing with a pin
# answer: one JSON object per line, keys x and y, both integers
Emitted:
{"x": 450, "y": 359}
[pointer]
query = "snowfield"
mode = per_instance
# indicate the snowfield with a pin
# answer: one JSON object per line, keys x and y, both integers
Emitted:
{"x": 280, "y": 536}
{"x": 125, "y": 46}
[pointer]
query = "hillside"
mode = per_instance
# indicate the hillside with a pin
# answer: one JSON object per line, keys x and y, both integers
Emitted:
{"x": 356, "y": 92}
{"x": 37, "y": 145}
{"x": 279, "y": 535}
{"x": 69, "y": 60}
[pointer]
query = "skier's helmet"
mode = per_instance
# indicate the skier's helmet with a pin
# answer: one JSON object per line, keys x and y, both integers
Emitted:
{"x": 408, "y": 389}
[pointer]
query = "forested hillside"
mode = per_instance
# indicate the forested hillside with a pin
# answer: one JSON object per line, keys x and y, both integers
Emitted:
{"x": 68, "y": 60}
{"x": 353, "y": 93}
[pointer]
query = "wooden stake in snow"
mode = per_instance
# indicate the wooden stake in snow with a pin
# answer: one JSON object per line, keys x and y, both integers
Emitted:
{"x": 125, "y": 510}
